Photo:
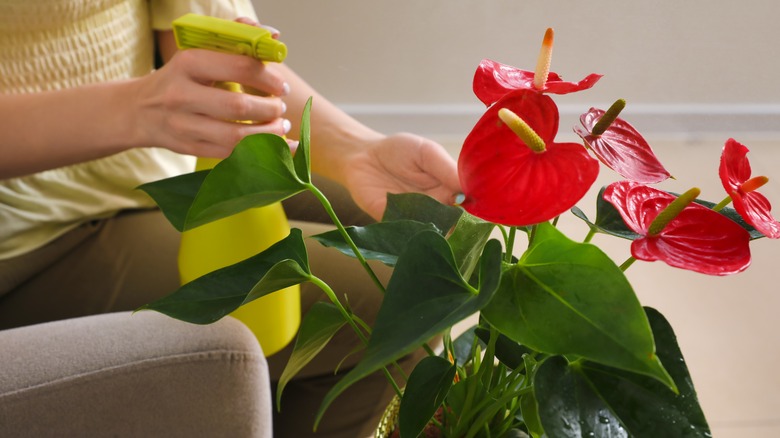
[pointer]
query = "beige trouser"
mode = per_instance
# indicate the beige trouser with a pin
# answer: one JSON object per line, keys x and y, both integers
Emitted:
{"x": 129, "y": 260}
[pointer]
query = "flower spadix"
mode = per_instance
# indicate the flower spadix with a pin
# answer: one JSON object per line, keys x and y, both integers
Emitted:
{"x": 526, "y": 178}
{"x": 679, "y": 232}
{"x": 493, "y": 80}
{"x": 735, "y": 176}
{"x": 619, "y": 146}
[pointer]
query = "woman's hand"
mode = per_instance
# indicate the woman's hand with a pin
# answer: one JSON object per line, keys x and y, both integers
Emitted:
{"x": 177, "y": 107}
{"x": 397, "y": 164}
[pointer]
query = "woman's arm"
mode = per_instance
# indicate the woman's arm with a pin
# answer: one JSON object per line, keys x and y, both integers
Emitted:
{"x": 175, "y": 107}
{"x": 368, "y": 163}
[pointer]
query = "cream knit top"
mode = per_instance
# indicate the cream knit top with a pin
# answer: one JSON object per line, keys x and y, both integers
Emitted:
{"x": 54, "y": 44}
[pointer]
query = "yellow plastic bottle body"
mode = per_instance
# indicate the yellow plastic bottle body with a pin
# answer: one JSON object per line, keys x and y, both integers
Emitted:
{"x": 274, "y": 318}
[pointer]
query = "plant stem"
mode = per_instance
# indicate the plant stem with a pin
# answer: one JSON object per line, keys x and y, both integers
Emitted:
{"x": 589, "y": 237}
{"x": 532, "y": 235}
{"x": 351, "y": 321}
{"x": 329, "y": 209}
{"x": 629, "y": 261}
{"x": 510, "y": 244}
{"x": 335, "y": 300}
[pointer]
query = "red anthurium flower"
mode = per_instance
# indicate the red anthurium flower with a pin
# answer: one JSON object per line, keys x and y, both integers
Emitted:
{"x": 622, "y": 148}
{"x": 506, "y": 182}
{"x": 493, "y": 80}
{"x": 751, "y": 205}
{"x": 697, "y": 239}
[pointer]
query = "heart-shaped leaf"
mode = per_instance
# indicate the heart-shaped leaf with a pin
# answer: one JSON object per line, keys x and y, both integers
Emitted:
{"x": 258, "y": 172}
{"x": 302, "y": 158}
{"x": 383, "y": 241}
{"x": 565, "y": 297}
{"x": 426, "y": 295}
{"x": 421, "y": 208}
{"x": 214, "y": 295}
{"x": 582, "y": 398}
{"x": 318, "y": 326}
{"x": 467, "y": 240}
{"x": 428, "y": 385}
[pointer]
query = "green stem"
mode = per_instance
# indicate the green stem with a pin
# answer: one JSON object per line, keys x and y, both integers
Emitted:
{"x": 487, "y": 411}
{"x": 589, "y": 237}
{"x": 629, "y": 261}
{"x": 335, "y": 300}
{"x": 726, "y": 201}
{"x": 532, "y": 235}
{"x": 329, "y": 209}
{"x": 510, "y": 244}
{"x": 351, "y": 321}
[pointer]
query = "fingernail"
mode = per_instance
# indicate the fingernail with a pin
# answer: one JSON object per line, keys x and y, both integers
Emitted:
{"x": 286, "y": 125}
{"x": 274, "y": 31}
{"x": 285, "y": 89}
{"x": 293, "y": 145}
{"x": 284, "y": 107}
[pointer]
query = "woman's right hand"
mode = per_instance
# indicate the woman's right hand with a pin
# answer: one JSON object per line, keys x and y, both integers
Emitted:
{"x": 177, "y": 107}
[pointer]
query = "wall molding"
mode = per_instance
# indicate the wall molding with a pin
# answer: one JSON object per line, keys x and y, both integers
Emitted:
{"x": 678, "y": 121}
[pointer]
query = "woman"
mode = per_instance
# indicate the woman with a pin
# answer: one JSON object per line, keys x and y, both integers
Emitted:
{"x": 85, "y": 118}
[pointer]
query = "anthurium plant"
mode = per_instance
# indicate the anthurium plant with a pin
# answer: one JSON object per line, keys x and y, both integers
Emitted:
{"x": 563, "y": 347}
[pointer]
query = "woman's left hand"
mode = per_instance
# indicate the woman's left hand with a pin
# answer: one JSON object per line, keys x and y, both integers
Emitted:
{"x": 400, "y": 163}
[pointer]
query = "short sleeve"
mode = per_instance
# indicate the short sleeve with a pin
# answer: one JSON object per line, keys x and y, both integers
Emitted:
{"x": 165, "y": 11}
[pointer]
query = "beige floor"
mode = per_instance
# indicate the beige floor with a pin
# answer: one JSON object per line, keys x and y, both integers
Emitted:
{"x": 726, "y": 326}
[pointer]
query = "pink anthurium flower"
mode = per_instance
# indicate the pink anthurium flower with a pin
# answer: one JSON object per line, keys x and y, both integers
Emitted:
{"x": 621, "y": 147}
{"x": 697, "y": 239}
{"x": 751, "y": 205}
{"x": 493, "y": 80}
{"x": 505, "y": 181}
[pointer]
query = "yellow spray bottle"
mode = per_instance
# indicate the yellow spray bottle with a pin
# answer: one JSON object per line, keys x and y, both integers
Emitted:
{"x": 274, "y": 318}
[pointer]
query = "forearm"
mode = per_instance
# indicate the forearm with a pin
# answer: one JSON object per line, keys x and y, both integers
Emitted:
{"x": 334, "y": 134}
{"x": 46, "y": 130}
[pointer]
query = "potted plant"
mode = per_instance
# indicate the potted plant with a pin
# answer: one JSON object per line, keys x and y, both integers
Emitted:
{"x": 563, "y": 347}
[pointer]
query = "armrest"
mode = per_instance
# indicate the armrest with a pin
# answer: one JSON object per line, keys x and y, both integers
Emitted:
{"x": 125, "y": 374}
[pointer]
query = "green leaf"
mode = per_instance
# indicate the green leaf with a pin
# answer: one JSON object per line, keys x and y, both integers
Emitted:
{"x": 421, "y": 208}
{"x": 467, "y": 240}
{"x": 568, "y": 407}
{"x": 425, "y": 296}
{"x": 463, "y": 346}
{"x": 570, "y": 298}
{"x": 175, "y": 195}
{"x": 508, "y": 352}
{"x": 462, "y": 397}
{"x": 258, "y": 172}
{"x": 529, "y": 407}
{"x": 576, "y": 399}
{"x": 608, "y": 219}
{"x": 425, "y": 391}
{"x": 214, "y": 295}
{"x": 318, "y": 326}
{"x": 302, "y": 157}
{"x": 383, "y": 241}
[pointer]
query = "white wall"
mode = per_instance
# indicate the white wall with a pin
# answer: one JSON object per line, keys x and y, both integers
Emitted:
{"x": 684, "y": 67}
{"x": 694, "y": 72}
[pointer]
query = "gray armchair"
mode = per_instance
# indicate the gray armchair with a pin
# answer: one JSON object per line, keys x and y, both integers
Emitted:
{"x": 127, "y": 375}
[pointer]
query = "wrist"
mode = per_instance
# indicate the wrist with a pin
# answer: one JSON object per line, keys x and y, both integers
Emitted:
{"x": 124, "y": 128}
{"x": 335, "y": 150}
